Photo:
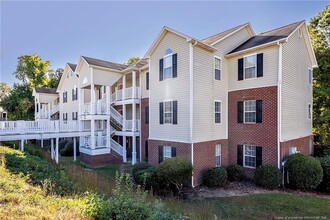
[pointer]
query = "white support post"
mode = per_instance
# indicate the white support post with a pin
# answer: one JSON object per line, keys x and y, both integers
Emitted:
{"x": 92, "y": 134}
{"x": 56, "y": 151}
{"x": 35, "y": 108}
{"x": 134, "y": 84}
{"x": 108, "y": 133}
{"x": 48, "y": 115}
{"x": 108, "y": 98}
{"x": 39, "y": 109}
{"x": 124, "y": 87}
{"x": 22, "y": 145}
{"x": 124, "y": 150}
{"x": 42, "y": 142}
{"x": 124, "y": 117}
{"x": 92, "y": 99}
{"x": 134, "y": 149}
{"x": 52, "y": 148}
{"x": 74, "y": 148}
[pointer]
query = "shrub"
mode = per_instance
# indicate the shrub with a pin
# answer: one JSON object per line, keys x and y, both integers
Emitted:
{"x": 138, "y": 167}
{"x": 146, "y": 177}
{"x": 325, "y": 163}
{"x": 174, "y": 172}
{"x": 268, "y": 176}
{"x": 305, "y": 172}
{"x": 215, "y": 177}
{"x": 235, "y": 172}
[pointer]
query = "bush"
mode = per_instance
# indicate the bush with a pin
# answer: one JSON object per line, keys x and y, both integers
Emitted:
{"x": 173, "y": 173}
{"x": 235, "y": 172}
{"x": 138, "y": 167}
{"x": 215, "y": 177}
{"x": 268, "y": 176}
{"x": 146, "y": 177}
{"x": 325, "y": 163}
{"x": 305, "y": 172}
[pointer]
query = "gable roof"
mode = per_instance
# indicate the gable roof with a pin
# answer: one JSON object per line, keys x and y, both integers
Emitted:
{"x": 72, "y": 66}
{"x": 273, "y": 36}
{"x": 139, "y": 64}
{"x": 46, "y": 90}
{"x": 219, "y": 36}
{"x": 103, "y": 63}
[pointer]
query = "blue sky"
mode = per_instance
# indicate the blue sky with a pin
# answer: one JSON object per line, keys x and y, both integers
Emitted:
{"x": 61, "y": 31}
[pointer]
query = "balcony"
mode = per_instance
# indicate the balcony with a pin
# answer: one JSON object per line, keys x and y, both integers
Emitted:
{"x": 95, "y": 108}
{"x": 42, "y": 115}
{"x": 129, "y": 125}
{"x": 125, "y": 94}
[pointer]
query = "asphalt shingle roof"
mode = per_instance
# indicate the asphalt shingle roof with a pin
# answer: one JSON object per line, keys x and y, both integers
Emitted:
{"x": 103, "y": 63}
{"x": 72, "y": 66}
{"x": 46, "y": 90}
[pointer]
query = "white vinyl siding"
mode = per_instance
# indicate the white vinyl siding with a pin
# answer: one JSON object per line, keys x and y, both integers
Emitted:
{"x": 170, "y": 89}
{"x": 249, "y": 156}
{"x": 218, "y": 155}
{"x": 250, "y": 111}
{"x": 296, "y": 90}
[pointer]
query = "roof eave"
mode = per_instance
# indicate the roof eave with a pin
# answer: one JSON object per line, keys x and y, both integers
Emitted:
{"x": 105, "y": 68}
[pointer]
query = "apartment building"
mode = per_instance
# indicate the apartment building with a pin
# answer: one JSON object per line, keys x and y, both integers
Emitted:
{"x": 232, "y": 98}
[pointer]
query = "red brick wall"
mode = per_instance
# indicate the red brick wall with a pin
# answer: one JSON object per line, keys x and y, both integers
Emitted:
{"x": 100, "y": 160}
{"x": 204, "y": 158}
{"x": 302, "y": 144}
{"x": 144, "y": 134}
{"x": 182, "y": 150}
{"x": 261, "y": 134}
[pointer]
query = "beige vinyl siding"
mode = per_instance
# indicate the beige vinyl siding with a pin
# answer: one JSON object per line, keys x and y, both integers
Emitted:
{"x": 84, "y": 74}
{"x": 296, "y": 92}
{"x": 170, "y": 89}
{"x": 206, "y": 90}
{"x": 68, "y": 84}
{"x": 105, "y": 77}
{"x": 270, "y": 71}
{"x": 144, "y": 91}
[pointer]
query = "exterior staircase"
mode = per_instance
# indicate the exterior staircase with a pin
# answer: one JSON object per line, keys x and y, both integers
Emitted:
{"x": 116, "y": 123}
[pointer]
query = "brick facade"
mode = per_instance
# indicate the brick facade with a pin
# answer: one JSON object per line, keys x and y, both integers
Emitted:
{"x": 144, "y": 134}
{"x": 304, "y": 145}
{"x": 100, "y": 160}
{"x": 260, "y": 134}
{"x": 204, "y": 158}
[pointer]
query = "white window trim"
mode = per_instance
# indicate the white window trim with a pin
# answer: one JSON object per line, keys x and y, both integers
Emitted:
{"x": 164, "y": 152}
{"x": 164, "y": 112}
{"x": 249, "y": 111}
{"x": 310, "y": 110}
{"x": 311, "y": 70}
{"x": 164, "y": 57}
{"x": 218, "y": 112}
{"x": 216, "y": 155}
{"x": 252, "y": 54}
{"x": 216, "y": 57}
{"x": 299, "y": 33}
{"x": 255, "y": 157}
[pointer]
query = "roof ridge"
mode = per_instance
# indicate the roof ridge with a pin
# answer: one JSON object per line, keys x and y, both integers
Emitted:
{"x": 281, "y": 27}
{"x": 241, "y": 25}
{"x": 102, "y": 60}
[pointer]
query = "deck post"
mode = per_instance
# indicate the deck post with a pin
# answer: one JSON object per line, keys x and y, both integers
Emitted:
{"x": 74, "y": 148}
{"x": 22, "y": 145}
{"x": 56, "y": 151}
{"x": 52, "y": 148}
{"x": 124, "y": 149}
{"x": 42, "y": 142}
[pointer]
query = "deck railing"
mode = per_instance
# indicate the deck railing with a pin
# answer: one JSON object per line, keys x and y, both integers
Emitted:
{"x": 118, "y": 95}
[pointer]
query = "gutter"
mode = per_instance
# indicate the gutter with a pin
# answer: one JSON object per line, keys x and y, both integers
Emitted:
{"x": 279, "y": 104}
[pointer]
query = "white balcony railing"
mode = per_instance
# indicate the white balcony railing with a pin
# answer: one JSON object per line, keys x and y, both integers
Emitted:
{"x": 95, "y": 108}
{"x": 42, "y": 115}
{"x": 129, "y": 125}
{"x": 94, "y": 142}
{"x": 118, "y": 95}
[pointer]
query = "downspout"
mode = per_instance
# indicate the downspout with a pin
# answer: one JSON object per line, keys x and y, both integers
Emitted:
{"x": 279, "y": 104}
{"x": 191, "y": 100}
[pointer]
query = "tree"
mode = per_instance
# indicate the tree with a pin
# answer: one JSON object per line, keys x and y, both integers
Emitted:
{"x": 319, "y": 30}
{"x": 4, "y": 90}
{"x": 19, "y": 103}
{"x": 54, "y": 77}
{"x": 132, "y": 60}
{"x": 32, "y": 69}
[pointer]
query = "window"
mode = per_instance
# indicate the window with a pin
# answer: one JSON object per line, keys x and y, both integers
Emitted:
{"x": 147, "y": 81}
{"x": 299, "y": 33}
{"x": 250, "y": 67}
{"x": 249, "y": 156}
{"x": 168, "y": 64}
{"x": 146, "y": 112}
{"x": 65, "y": 116}
{"x": 217, "y": 68}
{"x": 310, "y": 76}
{"x": 167, "y": 152}
{"x": 74, "y": 115}
{"x": 309, "y": 111}
{"x": 250, "y": 111}
{"x": 217, "y": 112}
{"x": 65, "y": 97}
{"x": 74, "y": 93}
{"x": 218, "y": 155}
{"x": 168, "y": 112}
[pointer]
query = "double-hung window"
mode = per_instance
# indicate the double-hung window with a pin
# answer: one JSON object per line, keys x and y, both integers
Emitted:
{"x": 217, "y": 111}
{"x": 167, "y": 152}
{"x": 168, "y": 64}
{"x": 65, "y": 97}
{"x": 250, "y": 67}
{"x": 168, "y": 112}
{"x": 309, "y": 111}
{"x": 218, "y": 155}
{"x": 217, "y": 68}
{"x": 250, "y": 111}
{"x": 310, "y": 76}
{"x": 250, "y": 156}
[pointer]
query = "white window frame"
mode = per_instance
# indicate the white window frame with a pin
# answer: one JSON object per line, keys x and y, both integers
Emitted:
{"x": 167, "y": 149}
{"x": 310, "y": 111}
{"x": 299, "y": 33}
{"x": 218, "y": 154}
{"x": 310, "y": 76}
{"x": 169, "y": 112}
{"x": 168, "y": 56}
{"x": 253, "y": 156}
{"x": 255, "y": 66}
{"x": 255, "y": 118}
{"x": 220, "y": 63}
{"x": 219, "y": 112}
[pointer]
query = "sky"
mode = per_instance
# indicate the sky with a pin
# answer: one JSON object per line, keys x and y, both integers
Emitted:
{"x": 62, "y": 31}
